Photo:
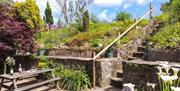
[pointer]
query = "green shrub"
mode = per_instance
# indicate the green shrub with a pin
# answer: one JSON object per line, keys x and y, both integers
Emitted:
{"x": 53, "y": 38}
{"x": 29, "y": 13}
{"x": 72, "y": 80}
{"x": 161, "y": 18}
{"x": 168, "y": 37}
{"x": 45, "y": 62}
{"x": 144, "y": 22}
{"x": 98, "y": 32}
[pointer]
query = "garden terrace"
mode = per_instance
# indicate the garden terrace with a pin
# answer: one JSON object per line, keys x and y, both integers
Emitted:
{"x": 104, "y": 67}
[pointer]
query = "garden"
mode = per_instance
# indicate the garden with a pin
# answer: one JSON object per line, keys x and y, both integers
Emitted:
{"x": 78, "y": 51}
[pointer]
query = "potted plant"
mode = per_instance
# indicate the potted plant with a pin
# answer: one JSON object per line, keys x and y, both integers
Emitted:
{"x": 10, "y": 62}
{"x": 109, "y": 53}
{"x": 41, "y": 49}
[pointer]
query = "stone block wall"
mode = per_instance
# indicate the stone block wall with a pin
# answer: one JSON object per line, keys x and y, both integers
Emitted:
{"x": 70, "y": 53}
{"x": 156, "y": 55}
{"x": 140, "y": 72}
{"x": 104, "y": 70}
{"x": 104, "y": 67}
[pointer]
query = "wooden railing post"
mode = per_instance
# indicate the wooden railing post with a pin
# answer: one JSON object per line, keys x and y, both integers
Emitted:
{"x": 94, "y": 74}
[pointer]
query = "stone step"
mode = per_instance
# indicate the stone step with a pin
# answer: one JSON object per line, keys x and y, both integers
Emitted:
{"x": 144, "y": 57}
{"x": 141, "y": 49}
{"x": 117, "y": 73}
{"x": 137, "y": 54}
{"x": 144, "y": 43}
{"x": 116, "y": 82}
{"x": 132, "y": 58}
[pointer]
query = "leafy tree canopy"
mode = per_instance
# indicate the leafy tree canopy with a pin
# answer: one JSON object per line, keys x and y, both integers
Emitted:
{"x": 122, "y": 16}
{"x": 172, "y": 9}
{"x": 14, "y": 35}
{"x": 29, "y": 13}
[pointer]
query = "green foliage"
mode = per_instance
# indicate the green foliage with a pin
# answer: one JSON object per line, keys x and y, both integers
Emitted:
{"x": 168, "y": 37}
{"x": 86, "y": 21}
{"x": 99, "y": 31}
{"x": 73, "y": 80}
{"x": 29, "y": 13}
{"x": 143, "y": 23}
{"x": 94, "y": 19}
{"x": 45, "y": 62}
{"x": 53, "y": 38}
{"x": 48, "y": 15}
{"x": 122, "y": 16}
{"x": 6, "y": 1}
{"x": 161, "y": 18}
{"x": 172, "y": 9}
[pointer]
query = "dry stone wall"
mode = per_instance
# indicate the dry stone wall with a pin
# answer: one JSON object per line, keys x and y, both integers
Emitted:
{"x": 104, "y": 67}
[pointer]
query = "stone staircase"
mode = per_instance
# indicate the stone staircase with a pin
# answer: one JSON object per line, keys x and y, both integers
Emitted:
{"x": 140, "y": 52}
{"x": 117, "y": 79}
{"x": 117, "y": 75}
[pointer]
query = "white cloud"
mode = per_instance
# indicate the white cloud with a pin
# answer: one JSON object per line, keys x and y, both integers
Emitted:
{"x": 120, "y": 3}
{"x": 108, "y": 2}
{"x": 103, "y": 15}
{"x": 141, "y": 2}
{"x": 127, "y": 5}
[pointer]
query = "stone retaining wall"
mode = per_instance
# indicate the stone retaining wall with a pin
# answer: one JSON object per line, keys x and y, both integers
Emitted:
{"x": 70, "y": 53}
{"x": 140, "y": 72}
{"x": 104, "y": 67}
{"x": 155, "y": 55}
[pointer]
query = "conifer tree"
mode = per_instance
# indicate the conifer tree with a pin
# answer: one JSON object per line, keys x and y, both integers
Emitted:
{"x": 86, "y": 21}
{"x": 48, "y": 16}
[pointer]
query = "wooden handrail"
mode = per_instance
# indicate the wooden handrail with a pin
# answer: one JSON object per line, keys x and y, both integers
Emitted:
{"x": 119, "y": 37}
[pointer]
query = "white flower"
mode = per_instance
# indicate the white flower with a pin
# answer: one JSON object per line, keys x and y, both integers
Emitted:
{"x": 166, "y": 78}
{"x": 159, "y": 69}
{"x": 164, "y": 63}
{"x": 129, "y": 85}
{"x": 151, "y": 85}
{"x": 159, "y": 74}
{"x": 175, "y": 88}
{"x": 173, "y": 78}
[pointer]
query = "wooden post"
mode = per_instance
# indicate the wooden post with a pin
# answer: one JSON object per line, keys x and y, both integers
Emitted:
{"x": 5, "y": 67}
{"x": 94, "y": 74}
{"x": 150, "y": 7}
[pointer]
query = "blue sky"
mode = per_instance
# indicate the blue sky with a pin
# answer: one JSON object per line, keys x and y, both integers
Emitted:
{"x": 107, "y": 9}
